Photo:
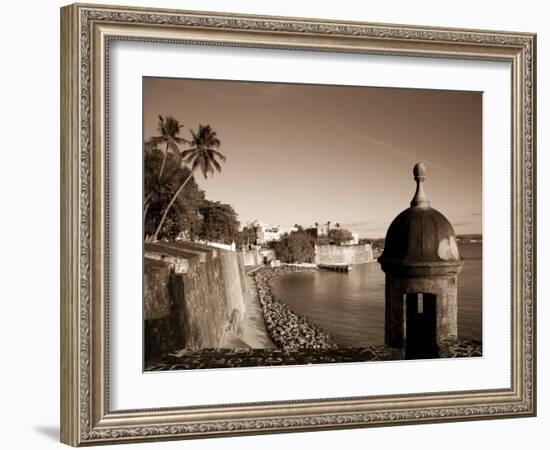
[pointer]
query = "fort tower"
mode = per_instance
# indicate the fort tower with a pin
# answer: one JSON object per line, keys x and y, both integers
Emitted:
{"x": 421, "y": 262}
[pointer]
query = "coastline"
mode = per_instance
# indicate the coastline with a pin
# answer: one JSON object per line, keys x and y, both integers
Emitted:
{"x": 255, "y": 332}
{"x": 312, "y": 336}
{"x": 288, "y": 329}
{"x": 289, "y": 337}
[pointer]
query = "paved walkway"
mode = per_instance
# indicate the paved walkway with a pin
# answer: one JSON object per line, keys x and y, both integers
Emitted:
{"x": 254, "y": 332}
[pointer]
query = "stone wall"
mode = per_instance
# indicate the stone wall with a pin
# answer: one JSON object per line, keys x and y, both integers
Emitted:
{"x": 161, "y": 322}
{"x": 445, "y": 291}
{"x": 257, "y": 256}
{"x": 343, "y": 254}
{"x": 193, "y": 296}
{"x": 251, "y": 257}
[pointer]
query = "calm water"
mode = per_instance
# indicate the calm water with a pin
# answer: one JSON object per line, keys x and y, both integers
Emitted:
{"x": 351, "y": 305}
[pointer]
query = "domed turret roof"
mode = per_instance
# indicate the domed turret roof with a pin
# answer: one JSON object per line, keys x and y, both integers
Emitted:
{"x": 420, "y": 235}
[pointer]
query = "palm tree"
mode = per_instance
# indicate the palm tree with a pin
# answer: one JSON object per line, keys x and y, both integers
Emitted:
{"x": 169, "y": 129}
{"x": 202, "y": 155}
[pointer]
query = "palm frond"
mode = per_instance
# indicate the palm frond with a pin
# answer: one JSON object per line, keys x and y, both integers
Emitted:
{"x": 204, "y": 167}
{"x": 181, "y": 140}
{"x": 175, "y": 150}
{"x": 161, "y": 128}
{"x": 197, "y": 163}
{"x": 203, "y": 153}
{"x": 189, "y": 155}
{"x": 220, "y": 155}
{"x": 216, "y": 164}
{"x": 152, "y": 142}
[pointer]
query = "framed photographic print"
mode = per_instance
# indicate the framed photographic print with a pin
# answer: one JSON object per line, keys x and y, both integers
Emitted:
{"x": 275, "y": 225}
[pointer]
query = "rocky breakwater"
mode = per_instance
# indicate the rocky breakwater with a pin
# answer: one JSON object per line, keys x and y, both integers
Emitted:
{"x": 288, "y": 329}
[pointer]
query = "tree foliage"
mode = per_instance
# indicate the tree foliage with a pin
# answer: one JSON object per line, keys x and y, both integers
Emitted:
{"x": 203, "y": 153}
{"x": 296, "y": 247}
{"x": 184, "y": 214}
{"x": 219, "y": 222}
{"x": 338, "y": 236}
{"x": 169, "y": 130}
{"x": 173, "y": 203}
{"x": 247, "y": 236}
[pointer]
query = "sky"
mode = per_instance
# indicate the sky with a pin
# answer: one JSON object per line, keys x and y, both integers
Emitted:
{"x": 300, "y": 154}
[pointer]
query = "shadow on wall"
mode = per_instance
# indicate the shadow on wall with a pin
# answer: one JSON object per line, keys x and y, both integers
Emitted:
{"x": 194, "y": 297}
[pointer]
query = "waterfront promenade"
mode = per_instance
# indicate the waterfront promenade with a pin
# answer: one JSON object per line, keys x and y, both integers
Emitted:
{"x": 255, "y": 333}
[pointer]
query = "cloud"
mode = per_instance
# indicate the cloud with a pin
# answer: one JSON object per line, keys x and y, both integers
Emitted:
{"x": 463, "y": 224}
{"x": 386, "y": 146}
{"x": 368, "y": 228}
{"x": 359, "y": 224}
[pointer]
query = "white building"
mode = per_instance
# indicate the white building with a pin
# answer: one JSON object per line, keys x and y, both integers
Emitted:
{"x": 267, "y": 232}
{"x": 354, "y": 240}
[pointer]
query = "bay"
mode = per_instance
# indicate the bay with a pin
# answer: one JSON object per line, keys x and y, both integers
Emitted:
{"x": 350, "y": 305}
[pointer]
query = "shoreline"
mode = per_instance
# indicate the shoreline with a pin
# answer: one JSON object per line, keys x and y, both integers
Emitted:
{"x": 255, "y": 333}
{"x": 290, "y": 338}
{"x": 458, "y": 347}
{"x": 288, "y": 329}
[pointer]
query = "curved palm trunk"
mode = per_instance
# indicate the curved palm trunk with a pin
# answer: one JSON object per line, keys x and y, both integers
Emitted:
{"x": 154, "y": 236}
{"x": 163, "y": 161}
{"x": 147, "y": 204}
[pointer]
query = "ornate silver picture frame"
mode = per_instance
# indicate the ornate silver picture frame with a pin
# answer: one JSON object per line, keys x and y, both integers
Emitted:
{"x": 87, "y": 33}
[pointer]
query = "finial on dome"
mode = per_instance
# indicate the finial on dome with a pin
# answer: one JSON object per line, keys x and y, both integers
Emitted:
{"x": 420, "y": 198}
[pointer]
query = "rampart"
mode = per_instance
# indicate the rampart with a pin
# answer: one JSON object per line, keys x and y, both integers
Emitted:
{"x": 193, "y": 297}
{"x": 257, "y": 256}
{"x": 343, "y": 254}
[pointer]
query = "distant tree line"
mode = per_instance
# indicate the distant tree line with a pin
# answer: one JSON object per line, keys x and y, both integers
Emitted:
{"x": 299, "y": 246}
{"x": 335, "y": 236}
{"x": 295, "y": 247}
{"x": 247, "y": 237}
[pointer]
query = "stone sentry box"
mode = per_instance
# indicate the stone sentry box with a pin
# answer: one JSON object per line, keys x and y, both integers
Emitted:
{"x": 421, "y": 262}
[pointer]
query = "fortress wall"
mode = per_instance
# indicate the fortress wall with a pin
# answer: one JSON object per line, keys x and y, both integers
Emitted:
{"x": 257, "y": 257}
{"x": 161, "y": 322}
{"x": 193, "y": 296}
{"x": 252, "y": 257}
{"x": 343, "y": 254}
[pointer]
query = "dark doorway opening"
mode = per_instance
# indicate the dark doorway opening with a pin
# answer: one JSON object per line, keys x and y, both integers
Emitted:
{"x": 421, "y": 326}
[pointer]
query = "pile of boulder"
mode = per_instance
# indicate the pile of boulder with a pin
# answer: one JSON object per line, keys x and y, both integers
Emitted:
{"x": 288, "y": 329}
{"x": 460, "y": 348}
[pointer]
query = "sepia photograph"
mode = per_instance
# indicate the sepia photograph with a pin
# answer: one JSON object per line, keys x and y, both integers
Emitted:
{"x": 280, "y": 224}
{"x": 288, "y": 224}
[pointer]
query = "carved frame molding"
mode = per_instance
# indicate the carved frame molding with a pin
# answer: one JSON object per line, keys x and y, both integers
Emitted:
{"x": 86, "y": 31}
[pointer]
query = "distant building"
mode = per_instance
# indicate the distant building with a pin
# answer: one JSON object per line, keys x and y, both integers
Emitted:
{"x": 319, "y": 230}
{"x": 353, "y": 241}
{"x": 322, "y": 229}
{"x": 268, "y": 233}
